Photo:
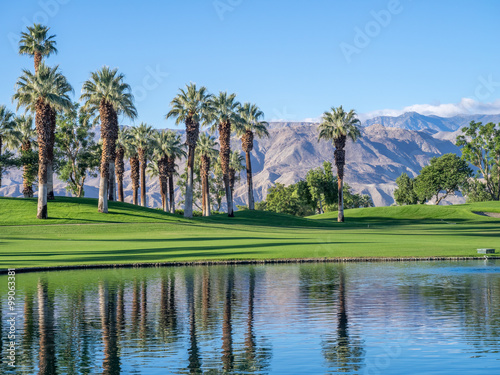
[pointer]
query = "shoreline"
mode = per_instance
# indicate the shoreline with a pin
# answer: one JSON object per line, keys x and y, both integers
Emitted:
{"x": 243, "y": 262}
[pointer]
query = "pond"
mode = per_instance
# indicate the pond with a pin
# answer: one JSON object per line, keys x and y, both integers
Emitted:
{"x": 357, "y": 318}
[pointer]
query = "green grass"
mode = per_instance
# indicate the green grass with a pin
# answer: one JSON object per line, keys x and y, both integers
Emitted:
{"x": 130, "y": 234}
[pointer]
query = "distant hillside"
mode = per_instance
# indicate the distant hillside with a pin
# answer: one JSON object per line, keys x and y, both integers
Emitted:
{"x": 416, "y": 121}
{"x": 373, "y": 163}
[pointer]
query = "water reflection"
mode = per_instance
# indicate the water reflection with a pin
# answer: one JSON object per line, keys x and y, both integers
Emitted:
{"x": 316, "y": 318}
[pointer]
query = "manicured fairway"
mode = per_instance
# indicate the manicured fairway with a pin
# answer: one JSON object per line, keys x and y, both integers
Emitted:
{"x": 76, "y": 234}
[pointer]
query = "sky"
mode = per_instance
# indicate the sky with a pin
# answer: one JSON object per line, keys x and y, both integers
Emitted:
{"x": 294, "y": 59}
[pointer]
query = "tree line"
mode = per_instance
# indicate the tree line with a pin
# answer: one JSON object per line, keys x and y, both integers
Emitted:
{"x": 65, "y": 143}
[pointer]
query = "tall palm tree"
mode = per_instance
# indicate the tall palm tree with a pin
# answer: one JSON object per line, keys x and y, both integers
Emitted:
{"x": 37, "y": 44}
{"x": 106, "y": 97}
{"x": 336, "y": 126}
{"x": 167, "y": 145}
{"x": 190, "y": 107}
{"x": 26, "y": 137}
{"x": 207, "y": 153}
{"x": 251, "y": 125}
{"x": 131, "y": 153}
{"x": 43, "y": 93}
{"x": 6, "y": 129}
{"x": 235, "y": 166}
{"x": 142, "y": 137}
{"x": 172, "y": 172}
{"x": 121, "y": 144}
{"x": 224, "y": 112}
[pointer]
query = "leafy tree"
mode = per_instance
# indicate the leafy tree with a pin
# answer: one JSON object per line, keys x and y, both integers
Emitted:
{"x": 445, "y": 174}
{"x": 336, "y": 126}
{"x": 405, "y": 192}
{"x": 322, "y": 186}
{"x": 107, "y": 96}
{"x": 76, "y": 151}
{"x": 476, "y": 191}
{"x": 281, "y": 199}
{"x": 481, "y": 147}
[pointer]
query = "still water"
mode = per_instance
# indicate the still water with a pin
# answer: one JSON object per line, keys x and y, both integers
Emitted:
{"x": 365, "y": 318}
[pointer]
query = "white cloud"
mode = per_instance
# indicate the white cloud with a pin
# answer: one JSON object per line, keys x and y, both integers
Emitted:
{"x": 466, "y": 106}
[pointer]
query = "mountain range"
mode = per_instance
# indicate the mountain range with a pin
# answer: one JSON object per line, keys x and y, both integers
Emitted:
{"x": 388, "y": 147}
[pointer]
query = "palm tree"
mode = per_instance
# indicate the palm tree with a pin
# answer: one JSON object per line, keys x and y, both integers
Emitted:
{"x": 251, "y": 125}
{"x": 206, "y": 152}
{"x": 6, "y": 129}
{"x": 172, "y": 171}
{"x": 43, "y": 93}
{"x": 157, "y": 168}
{"x": 167, "y": 146}
{"x": 224, "y": 111}
{"x": 36, "y": 43}
{"x": 106, "y": 97}
{"x": 121, "y": 144}
{"x": 26, "y": 137}
{"x": 235, "y": 166}
{"x": 336, "y": 126}
{"x": 131, "y": 153}
{"x": 190, "y": 107}
{"x": 142, "y": 136}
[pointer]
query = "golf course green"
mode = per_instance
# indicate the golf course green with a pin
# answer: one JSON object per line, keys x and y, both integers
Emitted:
{"x": 76, "y": 234}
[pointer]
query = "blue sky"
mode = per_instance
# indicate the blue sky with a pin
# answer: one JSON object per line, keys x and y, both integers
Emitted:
{"x": 295, "y": 59}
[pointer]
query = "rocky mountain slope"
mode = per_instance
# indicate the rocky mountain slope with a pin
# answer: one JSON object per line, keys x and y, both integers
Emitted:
{"x": 373, "y": 162}
{"x": 416, "y": 121}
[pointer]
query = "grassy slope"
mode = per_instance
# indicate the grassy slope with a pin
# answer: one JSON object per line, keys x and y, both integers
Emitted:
{"x": 132, "y": 234}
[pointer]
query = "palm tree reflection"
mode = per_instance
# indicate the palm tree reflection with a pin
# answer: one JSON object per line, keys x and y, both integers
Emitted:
{"x": 108, "y": 304}
{"x": 47, "y": 350}
{"x": 343, "y": 352}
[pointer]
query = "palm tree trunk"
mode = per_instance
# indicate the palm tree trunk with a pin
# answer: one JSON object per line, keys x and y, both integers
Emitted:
{"x": 224, "y": 152}
{"x": 50, "y": 151}
{"x": 42, "y": 122}
{"x": 339, "y": 155}
{"x": 112, "y": 184}
{"x": 188, "y": 206}
{"x": 340, "y": 217}
{"x": 134, "y": 176}
{"x": 119, "y": 170}
{"x": 38, "y": 60}
{"x": 143, "y": 162}
{"x": 171, "y": 193}
{"x": 27, "y": 187}
{"x": 109, "y": 134}
{"x": 251, "y": 203}
{"x": 205, "y": 189}
{"x": 50, "y": 181}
